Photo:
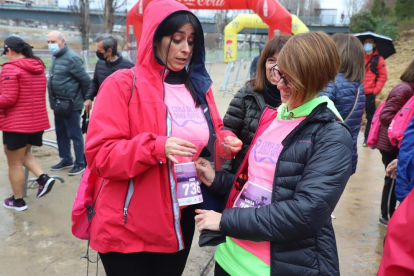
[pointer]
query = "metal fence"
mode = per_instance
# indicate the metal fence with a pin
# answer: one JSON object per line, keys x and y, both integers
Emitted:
{"x": 89, "y": 57}
{"x": 236, "y": 74}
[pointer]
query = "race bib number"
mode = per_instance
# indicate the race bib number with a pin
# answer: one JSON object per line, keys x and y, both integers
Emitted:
{"x": 253, "y": 195}
{"x": 188, "y": 185}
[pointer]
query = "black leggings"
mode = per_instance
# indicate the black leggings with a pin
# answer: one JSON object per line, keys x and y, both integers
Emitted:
{"x": 219, "y": 271}
{"x": 148, "y": 263}
{"x": 370, "y": 108}
{"x": 388, "y": 199}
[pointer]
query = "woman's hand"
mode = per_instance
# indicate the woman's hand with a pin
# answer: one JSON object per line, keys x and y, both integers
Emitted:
{"x": 232, "y": 144}
{"x": 177, "y": 146}
{"x": 205, "y": 171}
{"x": 207, "y": 220}
{"x": 392, "y": 169}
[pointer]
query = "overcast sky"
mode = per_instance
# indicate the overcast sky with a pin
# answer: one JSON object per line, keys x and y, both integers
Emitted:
{"x": 325, "y": 4}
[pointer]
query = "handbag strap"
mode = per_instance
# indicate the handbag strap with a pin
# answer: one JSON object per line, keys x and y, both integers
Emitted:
{"x": 353, "y": 108}
{"x": 52, "y": 70}
{"x": 132, "y": 91}
{"x": 51, "y": 81}
{"x": 133, "y": 84}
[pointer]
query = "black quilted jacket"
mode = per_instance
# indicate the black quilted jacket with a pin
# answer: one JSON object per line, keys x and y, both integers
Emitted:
{"x": 241, "y": 118}
{"x": 311, "y": 174}
{"x": 104, "y": 69}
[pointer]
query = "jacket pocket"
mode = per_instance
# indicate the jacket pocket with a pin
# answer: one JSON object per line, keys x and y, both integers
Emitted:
{"x": 128, "y": 196}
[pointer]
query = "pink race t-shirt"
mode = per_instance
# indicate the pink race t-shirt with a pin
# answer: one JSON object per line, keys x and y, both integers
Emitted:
{"x": 257, "y": 192}
{"x": 188, "y": 122}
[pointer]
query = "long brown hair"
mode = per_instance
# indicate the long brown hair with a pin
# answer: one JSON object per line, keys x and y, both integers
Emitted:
{"x": 408, "y": 75}
{"x": 272, "y": 47}
{"x": 309, "y": 61}
{"x": 352, "y": 56}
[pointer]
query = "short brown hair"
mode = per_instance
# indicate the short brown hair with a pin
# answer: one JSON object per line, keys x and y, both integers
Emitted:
{"x": 308, "y": 61}
{"x": 352, "y": 56}
{"x": 272, "y": 47}
{"x": 408, "y": 75}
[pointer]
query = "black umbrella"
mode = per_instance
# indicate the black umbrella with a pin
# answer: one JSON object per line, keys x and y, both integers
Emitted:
{"x": 384, "y": 44}
{"x": 85, "y": 122}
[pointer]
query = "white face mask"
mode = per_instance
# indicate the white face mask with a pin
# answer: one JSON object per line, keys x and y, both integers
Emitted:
{"x": 368, "y": 47}
{"x": 54, "y": 48}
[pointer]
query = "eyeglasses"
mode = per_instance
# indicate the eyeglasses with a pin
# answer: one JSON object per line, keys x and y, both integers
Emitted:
{"x": 279, "y": 76}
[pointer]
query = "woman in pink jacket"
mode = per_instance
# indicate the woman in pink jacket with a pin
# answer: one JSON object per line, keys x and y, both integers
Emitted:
{"x": 23, "y": 117}
{"x": 135, "y": 139}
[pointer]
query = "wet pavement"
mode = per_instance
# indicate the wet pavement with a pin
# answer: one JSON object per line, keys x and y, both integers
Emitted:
{"x": 38, "y": 241}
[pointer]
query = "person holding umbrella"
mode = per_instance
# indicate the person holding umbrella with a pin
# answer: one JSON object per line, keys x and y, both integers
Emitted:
{"x": 376, "y": 51}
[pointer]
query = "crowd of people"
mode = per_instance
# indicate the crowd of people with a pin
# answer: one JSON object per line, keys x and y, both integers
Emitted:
{"x": 269, "y": 174}
{"x": 23, "y": 113}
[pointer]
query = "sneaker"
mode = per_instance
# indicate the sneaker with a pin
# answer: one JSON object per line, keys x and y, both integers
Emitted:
{"x": 76, "y": 170}
{"x": 62, "y": 165}
{"x": 18, "y": 205}
{"x": 45, "y": 184}
{"x": 364, "y": 144}
{"x": 383, "y": 222}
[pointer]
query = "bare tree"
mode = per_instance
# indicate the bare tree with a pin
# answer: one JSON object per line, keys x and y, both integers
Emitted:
{"x": 222, "y": 18}
{"x": 354, "y": 6}
{"x": 81, "y": 10}
{"x": 109, "y": 13}
{"x": 302, "y": 7}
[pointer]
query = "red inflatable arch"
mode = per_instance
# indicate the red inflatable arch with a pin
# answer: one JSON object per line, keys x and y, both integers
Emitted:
{"x": 271, "y": 11}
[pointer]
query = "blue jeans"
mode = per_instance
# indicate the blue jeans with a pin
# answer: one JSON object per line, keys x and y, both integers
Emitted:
{"x": 69, "y": 129}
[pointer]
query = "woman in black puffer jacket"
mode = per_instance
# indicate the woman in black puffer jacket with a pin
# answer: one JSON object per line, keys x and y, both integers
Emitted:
{"x": 277, "y": 219}
{"x": 242, "y": 116}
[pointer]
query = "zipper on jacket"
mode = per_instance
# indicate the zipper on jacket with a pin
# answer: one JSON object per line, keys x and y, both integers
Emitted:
{"x": 171, "y": 181}
{"x": 128, "y": 195}
{"x": 248, "y": 151}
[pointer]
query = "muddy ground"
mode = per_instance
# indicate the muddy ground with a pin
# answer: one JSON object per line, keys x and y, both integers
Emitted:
{"x": 39, "y": 241}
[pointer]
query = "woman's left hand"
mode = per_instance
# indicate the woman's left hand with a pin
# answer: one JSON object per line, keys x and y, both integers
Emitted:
{"x": 391, "y": 169}
{"x": 207, "y": 220}
{"x": 233, "y": 144}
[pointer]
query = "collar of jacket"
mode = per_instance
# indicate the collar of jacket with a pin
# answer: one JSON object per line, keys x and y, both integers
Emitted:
{"x": 62, "y": 51}
{"x": 320, "y": 114}
{"x": 258, "y": 96}
{"x": 115, "y": 62}
{"x": 152, "y": 72}
{"x": 306, "y": 109}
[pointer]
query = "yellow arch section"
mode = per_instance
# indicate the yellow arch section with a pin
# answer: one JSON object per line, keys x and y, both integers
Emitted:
{"x": 250, "y": 21}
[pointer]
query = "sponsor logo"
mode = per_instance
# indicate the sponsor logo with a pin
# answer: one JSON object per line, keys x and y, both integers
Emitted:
{"x": 203, "y": 3}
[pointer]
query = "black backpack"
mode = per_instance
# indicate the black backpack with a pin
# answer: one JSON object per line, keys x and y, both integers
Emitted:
{"x": 373, "y": 64}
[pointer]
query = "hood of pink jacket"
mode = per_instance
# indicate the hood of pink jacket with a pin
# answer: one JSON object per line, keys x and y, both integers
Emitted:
{"x": 31, "y": 65}
{"x": 149, "y": 69}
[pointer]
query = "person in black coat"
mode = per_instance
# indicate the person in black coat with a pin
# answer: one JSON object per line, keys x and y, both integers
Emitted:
{"x": 307, "y": 167}
{"x": 109, "y": 61}
{"x": 255, "y": 61}
{"x": 244, "y": 111}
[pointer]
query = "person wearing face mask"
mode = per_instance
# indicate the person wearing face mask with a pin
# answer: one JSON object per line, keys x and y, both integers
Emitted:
{"x": 146, "y": 121}
{"x": 375, "y": 78}
{"x": 242, "y": 115}
{"x": 277, "y": 219}
{"x": 67, "y": 79}
{"x": 23, "y": 117}
{"x": 109, "y": 61}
